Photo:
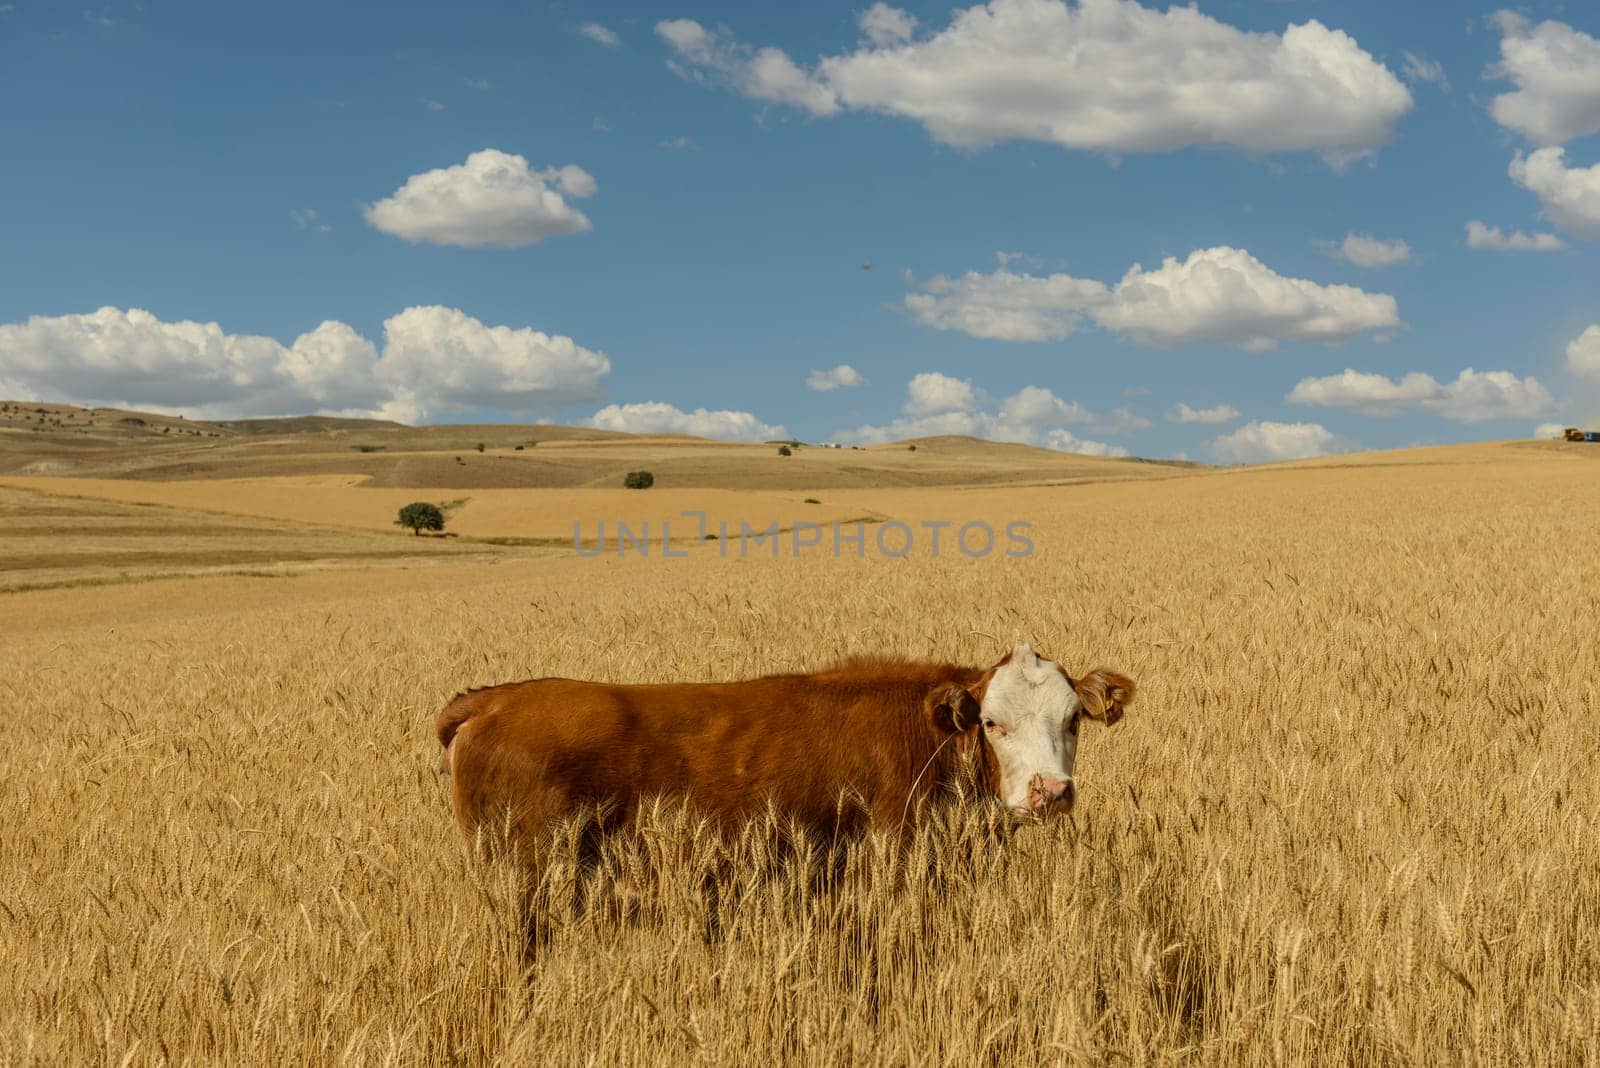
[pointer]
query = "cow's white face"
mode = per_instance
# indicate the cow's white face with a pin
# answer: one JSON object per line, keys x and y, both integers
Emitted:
{"x": 1030, "y": 720}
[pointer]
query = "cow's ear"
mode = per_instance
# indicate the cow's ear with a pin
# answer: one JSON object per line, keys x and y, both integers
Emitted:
{"x": 953, "y": 708}
{"x": 1105, "y": 694}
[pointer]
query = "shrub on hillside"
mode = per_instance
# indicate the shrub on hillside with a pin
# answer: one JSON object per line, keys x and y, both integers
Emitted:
{"x": 639, "y": 480}
{"x": 784, "y": 450}
{"x": 420, "y": 516}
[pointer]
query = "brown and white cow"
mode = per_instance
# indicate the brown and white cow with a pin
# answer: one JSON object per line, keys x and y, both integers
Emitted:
{"x": 897, "y": 734}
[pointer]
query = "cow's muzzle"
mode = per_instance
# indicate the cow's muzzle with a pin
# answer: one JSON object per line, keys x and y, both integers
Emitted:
{"x": 1049, "y": 797}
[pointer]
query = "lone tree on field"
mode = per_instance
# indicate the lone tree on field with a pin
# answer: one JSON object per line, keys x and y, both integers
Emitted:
{"x": 420, "y": 516}
{"x": 639, "y": 480}
{"x": 784, "y": 450}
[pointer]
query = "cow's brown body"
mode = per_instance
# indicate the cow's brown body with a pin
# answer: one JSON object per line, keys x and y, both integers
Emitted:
{"x": 870, "y": 730}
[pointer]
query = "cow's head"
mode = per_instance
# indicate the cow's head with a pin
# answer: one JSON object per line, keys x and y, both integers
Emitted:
{"x": 1024, "y": 715}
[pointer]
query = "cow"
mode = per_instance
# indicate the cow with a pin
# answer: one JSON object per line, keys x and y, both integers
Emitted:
{"x": 897, "y": 735}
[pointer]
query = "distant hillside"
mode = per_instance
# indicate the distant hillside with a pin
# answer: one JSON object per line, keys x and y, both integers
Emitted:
{"x": 64, "y": 441}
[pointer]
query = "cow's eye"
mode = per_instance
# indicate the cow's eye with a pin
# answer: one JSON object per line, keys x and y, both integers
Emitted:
{"x": 988, "y": 724}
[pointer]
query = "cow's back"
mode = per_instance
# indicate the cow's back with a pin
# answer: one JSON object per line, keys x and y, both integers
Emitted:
{"x": 536, "y": 750}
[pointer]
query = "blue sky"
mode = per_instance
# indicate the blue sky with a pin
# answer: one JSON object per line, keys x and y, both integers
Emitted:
{"x": 241, "y": 175}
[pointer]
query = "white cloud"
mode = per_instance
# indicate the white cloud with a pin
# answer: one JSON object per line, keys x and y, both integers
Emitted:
{"x": 434, "y": 360}
{"x": 1101, "y": 75}
{"x": 1036, "y": 405}
{"x": 1477, "y": 397}
{"x": 1067, "y": 441}
{"x": 1583, "y": 354}
{"x": 1373, "y": 394}
{"x": 483, "y": 85}
{"x": 1570, "y": 195}
{"x": 1474, "y": 396}
{"x": 1263, "y": 441}
{"x": 886, "y": 26}
{"x": 1227, "y": 296}
{"x": 931, "y": 393}
{"x": 1497, "y": 240}
{"x": 656, "y": 417}
{"x": 112, "y": 356}
{"x": 938, "y": 404}
{"x": 1218, "y": 295}
{"x": 1364, "y": 250}
{"x": 600, "y": 35}
{"x": 1549, "y": 430}
{"x": 1556, "y": 70}
{"x": 1422, "y": 69}
{"x": 1005, "y": 306}
{"x": 447, "y": 360}
{"x": 764, "y": 74}
{"x": 1221, "y": 413}
{"x": 430, "y": 104}
{"x": 494, "y": 198}
{"x": 679, "y": 143}
{"x": 842, "y": 377}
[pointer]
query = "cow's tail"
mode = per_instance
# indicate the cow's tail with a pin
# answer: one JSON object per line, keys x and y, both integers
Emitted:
{"x": 461, "y": 708}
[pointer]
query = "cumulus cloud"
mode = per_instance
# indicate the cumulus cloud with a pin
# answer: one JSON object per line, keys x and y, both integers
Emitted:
{"x": 1570, "y": 195}
{"x": 1227, "y": 296}
{"x": 1218, "y": 295}
{"x": 112, "y": 357}
{"x": 842, "y": 377}
{"x": 1556, "y": 71}
{"x": 494, "y": 198}
{"x": 1263, "y": 441}
{"x": 451, "y": 361}
{"x": 939, "y": 404}
{"x": 932, "y": 393}
{"x": 1583, "y": 354}
{"x": 434, "y": 360}
{"x": 600, "y": 35}
{"x": 1549, "y": 430}
{"x": 1101, "y": 75}
{"x": 1474, "y": 396}
{"x": 1364, "y": 250}
{"x": 656, "y": 417}
{"x": 1006, "y": 306}
{"x": 762, "y": 74}
{"x": 1221, "y": 413}
{"x": 886, "y": 26}
{"x": 1495, "y": 239}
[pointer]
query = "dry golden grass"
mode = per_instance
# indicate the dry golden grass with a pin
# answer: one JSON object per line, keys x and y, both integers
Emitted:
{"x": 1351, "y": 819}
{"x": 49, "y": 540}
{"x": 543, "y": 515}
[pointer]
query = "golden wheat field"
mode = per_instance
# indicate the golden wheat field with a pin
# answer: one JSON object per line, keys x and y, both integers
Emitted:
{"x": 1351, "y": 817}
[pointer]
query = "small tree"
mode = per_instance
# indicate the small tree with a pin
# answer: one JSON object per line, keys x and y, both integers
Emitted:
{"x": 420, "y": 516}
{"x": 480, "y": 446}
{"x": 783, "y": 450}
{"x": 639, "y": 480}
{"x": 911, "y": 448}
